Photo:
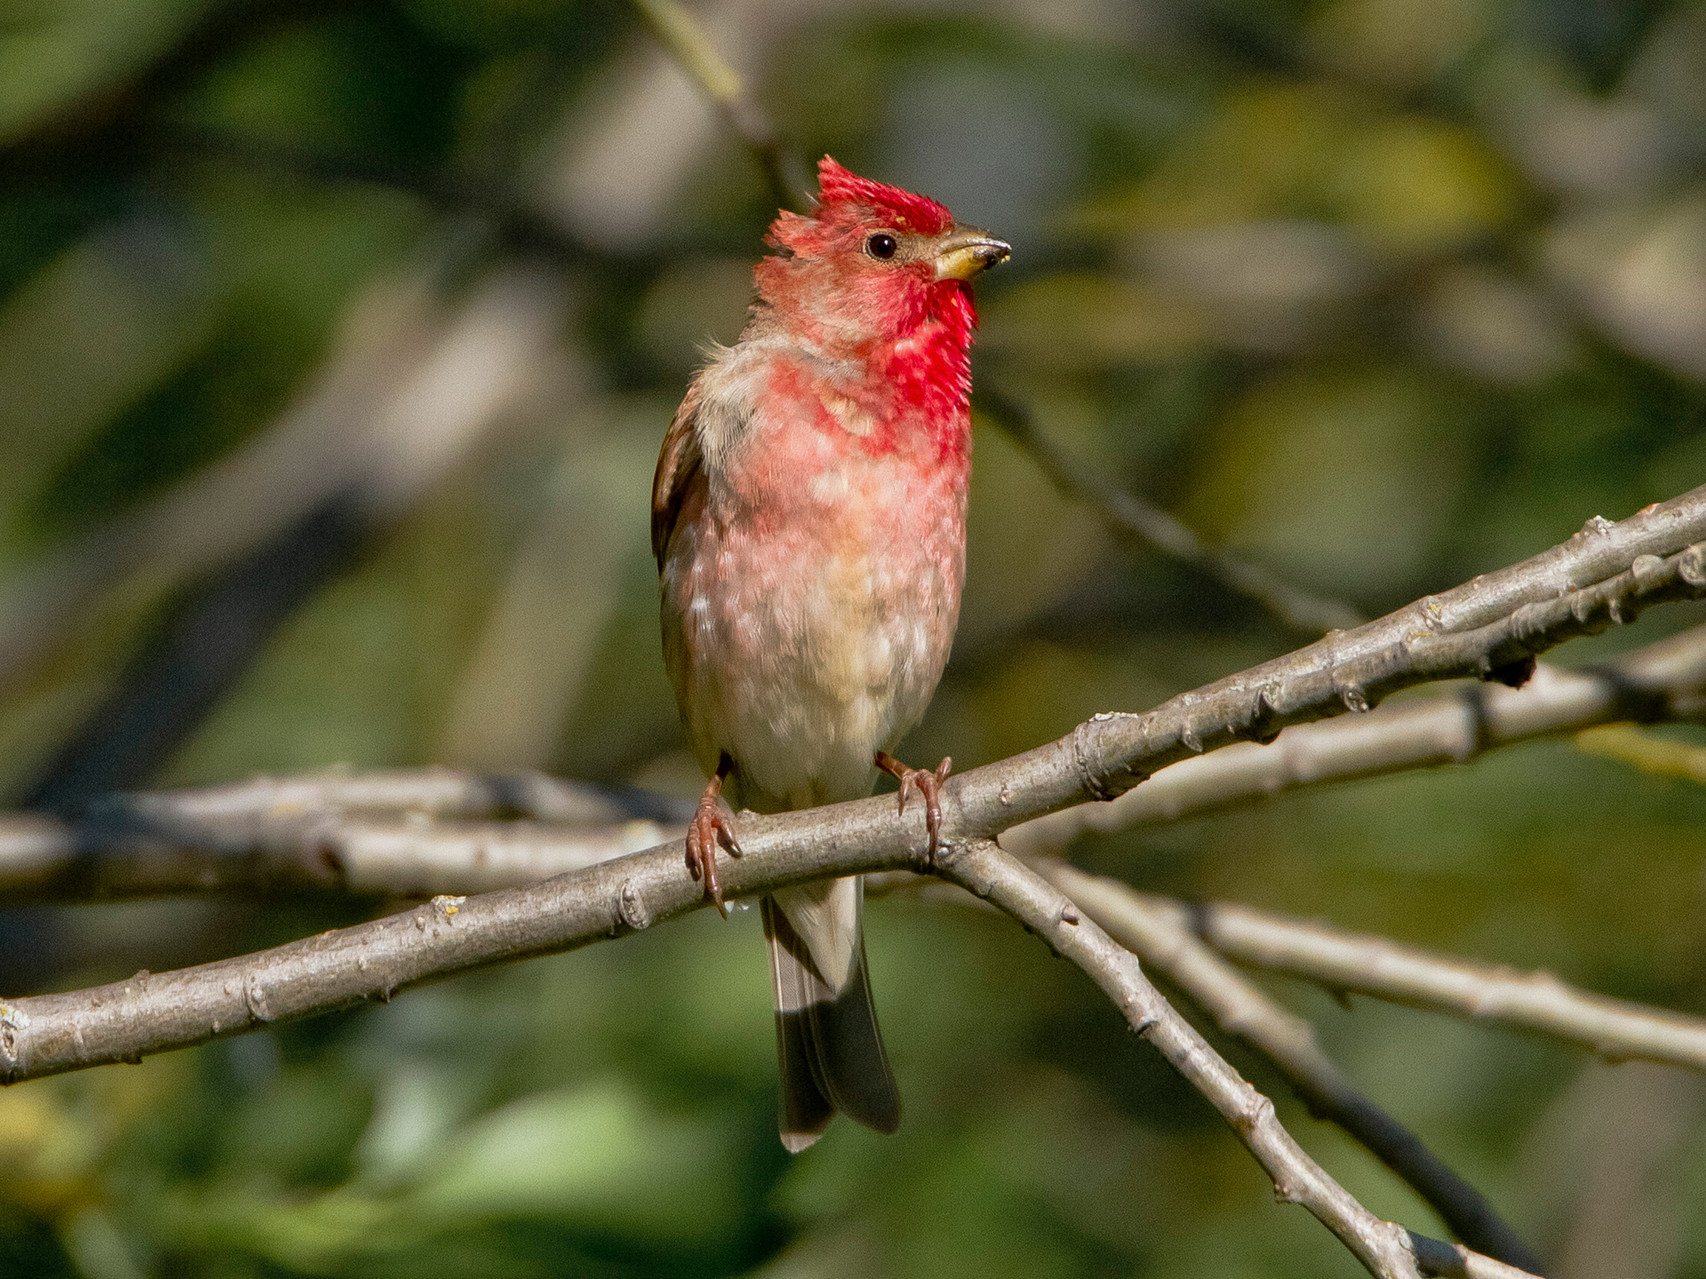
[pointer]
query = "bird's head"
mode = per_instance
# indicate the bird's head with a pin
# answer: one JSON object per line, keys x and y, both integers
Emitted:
{"x": 872, "y": 263}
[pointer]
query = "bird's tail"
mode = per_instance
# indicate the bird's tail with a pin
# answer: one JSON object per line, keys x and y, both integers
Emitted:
{"x": 827, "y": 1042}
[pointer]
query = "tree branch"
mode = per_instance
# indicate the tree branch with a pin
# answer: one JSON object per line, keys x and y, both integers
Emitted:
{"x": 1131, "y": 515}
{"x": 1383, "y": 1248}
{"x": 52, "y": 1033}
{"x": 1163, "y": 941}
{"x": 695, "y": 53}
{"x": 166, "y": 844}
{"x": 1662, "y": 682}
{"x": 135, "y": 850}
{"x": 1493, "y": 627}
{"x": 1370, "y": 965}
{"x": 1604, "y": 574}
{"x": 364, "y": 833}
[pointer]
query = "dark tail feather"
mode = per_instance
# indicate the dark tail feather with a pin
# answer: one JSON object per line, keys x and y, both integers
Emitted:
{"x": 850, "y": 1052}
{"x": 828, "y": 1046}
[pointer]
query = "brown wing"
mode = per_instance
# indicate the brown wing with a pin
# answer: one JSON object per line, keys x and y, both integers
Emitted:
{"x": 680, "y": 465}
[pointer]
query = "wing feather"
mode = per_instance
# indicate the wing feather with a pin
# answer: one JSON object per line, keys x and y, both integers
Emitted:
{"x": 681, "y": 465}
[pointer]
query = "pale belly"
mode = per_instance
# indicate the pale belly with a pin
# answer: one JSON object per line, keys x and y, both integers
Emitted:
{"x": 802, "y": 649}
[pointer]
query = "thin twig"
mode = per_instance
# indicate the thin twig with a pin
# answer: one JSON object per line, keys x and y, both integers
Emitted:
{"x": 1385, "y": 969}
{"x": 697, "y": 55}
{"x": 1299, "y": 609}
{"x": 1663, "y": 682}
{"x": 1166, "y": 945}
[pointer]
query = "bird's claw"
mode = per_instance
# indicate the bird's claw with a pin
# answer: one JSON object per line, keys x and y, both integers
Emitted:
{"x": 928, "y": 783}
{"x": 711, "y": 826}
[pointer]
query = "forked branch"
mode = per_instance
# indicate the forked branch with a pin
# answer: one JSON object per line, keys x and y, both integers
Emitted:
{"x": 1385, "y": 1249}
{"x": 1605, "y": 574}
{"x": 1661, "y": 683}
{"x": 1158, "y": 933}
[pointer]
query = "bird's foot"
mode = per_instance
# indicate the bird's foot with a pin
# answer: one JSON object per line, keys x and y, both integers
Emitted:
{"x": 928, "y": 783}
{"x": 711, "y": 826}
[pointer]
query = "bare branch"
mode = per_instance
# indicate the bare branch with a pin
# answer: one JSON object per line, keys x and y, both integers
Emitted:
{"x": 1161, "y": 938}
{"x": 1370, "y": 965}
{"x": 1604, "y": 574}
{"x": 1296, "y": 608}
{"x": 1383, "y": 1248}
{"x": 364, "y": 833}
{"x": 1662, "y": 682}
{"x": 694, "y": 52}
{"x": 1492, "y": 626}
{"x": 316, "y": 833}
{"x": 400, "y": 833}
{"x": 52, "y": 1033}
{"x": 49, "y": 1034}
{"x": 1461, "y": 632}
{"x": 1454, "y": 1261}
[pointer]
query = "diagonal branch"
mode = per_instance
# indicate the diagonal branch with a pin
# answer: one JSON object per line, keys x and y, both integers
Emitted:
{"x": 369, "y": 832}
{"x": 1605, "y": 574}
{"x": 1162, "y": 939}
{"x": 1296, "y": 608}
{"x": 696, "y": 54}
{"x": 299, "y": 834}
{"x": 1384, "y": 1248}
{"x": 1663, "y": 682}
{"x": 52, "y": 1033}
{"x": 1492, "y": 627}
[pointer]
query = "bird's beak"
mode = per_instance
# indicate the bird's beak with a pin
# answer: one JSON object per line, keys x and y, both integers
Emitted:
{"x": 968, "y": 251}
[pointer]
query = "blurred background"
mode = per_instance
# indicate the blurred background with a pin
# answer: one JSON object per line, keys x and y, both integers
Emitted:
{"x": 337, "y": 338}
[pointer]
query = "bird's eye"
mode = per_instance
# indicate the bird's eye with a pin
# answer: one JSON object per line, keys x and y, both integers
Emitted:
{"x": 881, "y": 246}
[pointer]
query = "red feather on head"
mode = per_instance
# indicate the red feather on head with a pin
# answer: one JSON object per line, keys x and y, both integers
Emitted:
{"x": 908, "y": 212}
{"x": 847, "y": 207}
{"x": 825, "y": 291}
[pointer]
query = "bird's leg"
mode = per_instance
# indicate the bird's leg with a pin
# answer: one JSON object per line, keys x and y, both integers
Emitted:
{"x": 711, "y": 826}
{"x": 928, "y": 783}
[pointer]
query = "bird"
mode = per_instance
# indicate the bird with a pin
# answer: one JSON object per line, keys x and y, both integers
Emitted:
{"x": 808, "y": 521}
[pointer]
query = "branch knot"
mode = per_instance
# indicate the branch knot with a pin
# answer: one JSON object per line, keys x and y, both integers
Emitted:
{"x": 631, "y": 908}
{"x": 1090, "y": 775}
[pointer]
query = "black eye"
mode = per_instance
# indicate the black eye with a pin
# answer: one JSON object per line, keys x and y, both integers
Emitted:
{"x": 881, "y": 245}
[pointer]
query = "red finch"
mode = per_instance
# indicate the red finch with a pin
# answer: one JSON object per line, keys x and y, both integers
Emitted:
{"x": 808, "y": 517}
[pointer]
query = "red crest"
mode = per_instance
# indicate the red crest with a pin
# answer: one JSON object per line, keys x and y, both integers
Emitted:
{"x": 906, "y": 211}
